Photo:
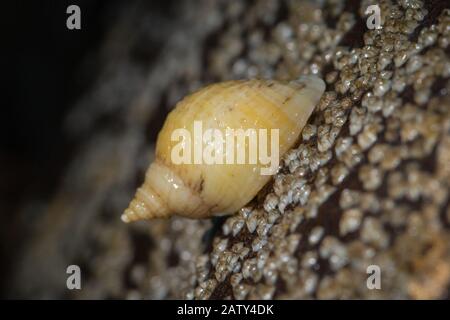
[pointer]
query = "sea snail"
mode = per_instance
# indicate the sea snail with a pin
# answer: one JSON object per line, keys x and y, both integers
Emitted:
{"x": 199, "y": 170}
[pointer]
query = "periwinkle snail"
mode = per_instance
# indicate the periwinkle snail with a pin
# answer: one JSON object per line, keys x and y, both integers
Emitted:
{"x": 198, "y": 188}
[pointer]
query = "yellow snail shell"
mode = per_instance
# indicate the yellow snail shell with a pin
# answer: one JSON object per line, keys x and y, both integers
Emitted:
{"x": 204, "y": 190}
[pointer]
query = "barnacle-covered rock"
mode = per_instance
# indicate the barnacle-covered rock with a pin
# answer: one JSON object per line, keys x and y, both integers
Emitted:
{"x": 367, "y": 184}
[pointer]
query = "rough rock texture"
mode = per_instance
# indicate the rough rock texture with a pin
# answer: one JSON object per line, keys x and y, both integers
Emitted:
{"x": 367, "y": 184}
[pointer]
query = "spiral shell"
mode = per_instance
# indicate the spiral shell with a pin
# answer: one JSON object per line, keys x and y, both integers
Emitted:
{"x": 201, "y": 190}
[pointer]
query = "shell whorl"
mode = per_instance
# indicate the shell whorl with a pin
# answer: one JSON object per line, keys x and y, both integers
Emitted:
{"x": 202, "y": 190}
{"x": 161, "y": 194}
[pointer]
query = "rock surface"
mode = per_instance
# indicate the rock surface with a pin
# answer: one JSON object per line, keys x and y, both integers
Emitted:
{"x": 367, "y": 184}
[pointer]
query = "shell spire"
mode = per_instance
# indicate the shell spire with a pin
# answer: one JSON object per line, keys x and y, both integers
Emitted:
{"x": 220, "y": 145}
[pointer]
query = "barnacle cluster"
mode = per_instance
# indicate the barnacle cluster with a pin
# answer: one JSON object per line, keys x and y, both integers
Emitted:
{"x": 368, "y": 184}
{"x": 365, "y": 186}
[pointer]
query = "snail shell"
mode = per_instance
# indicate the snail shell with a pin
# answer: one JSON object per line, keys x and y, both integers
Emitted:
{"x": 202, "y": 190}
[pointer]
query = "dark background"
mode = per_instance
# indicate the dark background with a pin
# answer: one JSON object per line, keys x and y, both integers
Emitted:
{"x": 45, "y": 68}
{"x": 44, "y": 63}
